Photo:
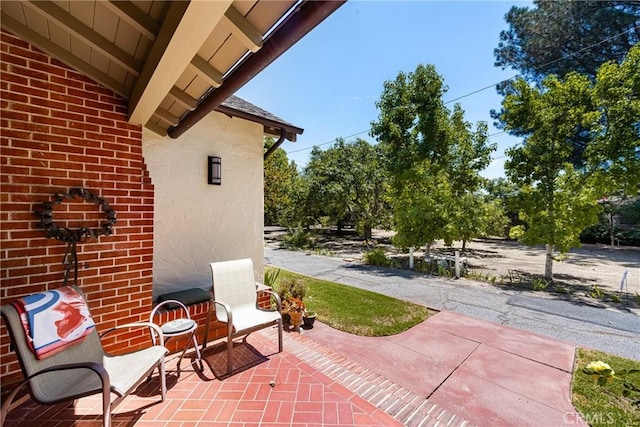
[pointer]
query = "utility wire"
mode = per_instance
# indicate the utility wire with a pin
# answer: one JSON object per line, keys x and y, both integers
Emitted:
{"x": 485, "y": 88}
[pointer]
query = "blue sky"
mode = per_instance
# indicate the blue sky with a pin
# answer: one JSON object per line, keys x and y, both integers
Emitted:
{"x": 329, "y": 81}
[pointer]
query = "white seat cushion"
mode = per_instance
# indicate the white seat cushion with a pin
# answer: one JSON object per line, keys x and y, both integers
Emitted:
{"x": 177, "y": 326}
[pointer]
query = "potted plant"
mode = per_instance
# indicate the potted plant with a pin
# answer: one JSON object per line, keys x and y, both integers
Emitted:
{"x": 291, "y": 292}
{"x": 308, "y": 318}
{"x": 294, "y": 307}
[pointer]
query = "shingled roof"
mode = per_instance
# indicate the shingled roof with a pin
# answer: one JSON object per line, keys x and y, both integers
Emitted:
{"x": 273, "y": 125}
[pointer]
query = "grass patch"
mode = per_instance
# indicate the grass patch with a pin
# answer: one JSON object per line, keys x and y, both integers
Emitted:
{"x": 604, "y": 405}
{"x": 358, "y": 311}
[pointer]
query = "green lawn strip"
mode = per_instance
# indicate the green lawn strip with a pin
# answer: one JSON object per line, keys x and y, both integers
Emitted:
{"x": 358, "y": 311}
{"x": 604, "y": 405}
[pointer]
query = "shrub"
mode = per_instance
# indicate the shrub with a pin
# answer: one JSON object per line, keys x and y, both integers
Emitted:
{"x": 539, "y": 284}
{"x": 377, "y": 257}
{"x": 291, "y": 288}
{"x": 298, "y": 239}
{"x": 596, "y": 292}
{"x": 271, "y": 277}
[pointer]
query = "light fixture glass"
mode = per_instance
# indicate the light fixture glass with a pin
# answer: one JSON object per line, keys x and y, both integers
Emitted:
{"x": 215, "y": 170}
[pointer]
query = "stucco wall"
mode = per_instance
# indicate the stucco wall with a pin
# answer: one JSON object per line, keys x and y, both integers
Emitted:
{"x": 197, "y": 223}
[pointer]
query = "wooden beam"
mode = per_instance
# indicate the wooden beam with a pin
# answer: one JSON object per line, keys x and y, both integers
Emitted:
{"x": 63, "y": 55}
{"x": 187, "y": 101}
{"x": 166, "y": 117}
{"x": 76, "y": 27}
{"x": 242, "y": 29}
{"x": 133, "y": 16}
{"x": 206, "y": 71}
{"x": 184, "y": 30}
{"x": 156, "y": 128}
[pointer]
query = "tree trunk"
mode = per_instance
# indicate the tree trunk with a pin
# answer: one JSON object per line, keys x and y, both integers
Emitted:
{"x": 611, "y": 230}
{"x": 548, "y": 265}
{"x": 464, "y": 244}
{"x": 427, "y": 251}
{"x": 411, "y": 263}
{"x": 367, "y": 232}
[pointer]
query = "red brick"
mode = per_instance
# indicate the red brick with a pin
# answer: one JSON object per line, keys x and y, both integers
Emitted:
{"x": 50, "y": 137}
{"x": 24, "y": 52}
{"x": 74, "y": 119}
{"x": 14, "y": 96}
{"x": 52, "y": 122}
{"x": 29, "y": 72}
{"x": 31, "y": 91}
{"x": 69, "y": 83}
{"x": 14, "y": 115}
{"x": 13, "y": 59}
{"x": 31, "y": 109}
{"x": 48, "y": 103}
{"x": 47, "y": 86}
{"x": 13, "y": 78}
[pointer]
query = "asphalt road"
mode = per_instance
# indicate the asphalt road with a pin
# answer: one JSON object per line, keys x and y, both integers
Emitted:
{"x": 615, "y": 331}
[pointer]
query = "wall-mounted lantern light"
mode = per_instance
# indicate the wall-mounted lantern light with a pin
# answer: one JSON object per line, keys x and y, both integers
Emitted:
{"x": 215, "y": 170}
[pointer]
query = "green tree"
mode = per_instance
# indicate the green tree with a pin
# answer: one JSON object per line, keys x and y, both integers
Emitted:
{"x": 614, "y": 154}
{"x": 369, "y": 206}
{"x": 506, "y": 193}
{"x": 556, "y": 202}
{"x": 469, "y": 155}
{"x": 349, "y": 184}
{"x": 433, "y": 157}
{"x": 280, "y": 177}
{"x": 556, "y": 37}
{"x": 495, "y": 222}
{"x": 307, "y": 204}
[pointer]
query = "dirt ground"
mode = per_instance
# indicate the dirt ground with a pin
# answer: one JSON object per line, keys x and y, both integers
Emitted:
{"x": 600, "y": 265}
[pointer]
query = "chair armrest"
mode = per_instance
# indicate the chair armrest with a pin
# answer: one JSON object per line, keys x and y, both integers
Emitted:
{"x": 274, "y": 294}
{"x": 226, "y": 308}
{"x": 95, "y": 367}
{"x": 155, "y": 328}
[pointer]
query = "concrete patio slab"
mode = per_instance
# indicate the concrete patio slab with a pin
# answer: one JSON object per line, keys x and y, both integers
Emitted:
{"x": 533, "y": 380}
{"x": 420, "y": 358}
{"x": 463, "y": 326}
{"x": 548, "y": 351}
{"x": 488, "y": 404}
{"x": 488, "y": 373}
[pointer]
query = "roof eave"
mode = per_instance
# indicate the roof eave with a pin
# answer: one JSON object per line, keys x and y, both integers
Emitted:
{"x": 307, "y": 17}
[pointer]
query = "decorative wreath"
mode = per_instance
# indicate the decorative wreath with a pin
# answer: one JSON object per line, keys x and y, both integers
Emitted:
{"x": 81, "y": 234}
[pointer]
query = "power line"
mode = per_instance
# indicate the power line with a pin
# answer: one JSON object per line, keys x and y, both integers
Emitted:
{"x": 546, "y": 64}
{"x": 485, "y": 88}
{"x": 358, "y": 133}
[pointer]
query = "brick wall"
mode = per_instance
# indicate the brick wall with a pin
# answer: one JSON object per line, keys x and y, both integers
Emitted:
{"x": 60, "y": 130}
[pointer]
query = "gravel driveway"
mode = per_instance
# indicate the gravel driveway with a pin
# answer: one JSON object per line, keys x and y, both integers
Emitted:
{"x": 582, "y": 268}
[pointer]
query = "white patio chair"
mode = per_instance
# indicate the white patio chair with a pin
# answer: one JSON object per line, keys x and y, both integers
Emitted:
{"x": 235, "y": 299}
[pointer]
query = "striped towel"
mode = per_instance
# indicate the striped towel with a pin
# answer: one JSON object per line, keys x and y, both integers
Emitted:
{"x": 54, "y": 319}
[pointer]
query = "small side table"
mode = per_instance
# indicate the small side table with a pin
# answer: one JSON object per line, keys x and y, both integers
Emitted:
{"x": 178, "y": 327}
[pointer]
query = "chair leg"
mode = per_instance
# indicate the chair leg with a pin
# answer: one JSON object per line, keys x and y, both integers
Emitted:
{"x": 206, "y": 327}
{"x": 186, "y": 346}
{"x": 280, "y": 336}
{"x": 106, "y": 409}
{"x": 229, "y": 348}
{"x": 198, "y": 355}
{"x": 163, "y": 380}
{"x": 166, "y": 340}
